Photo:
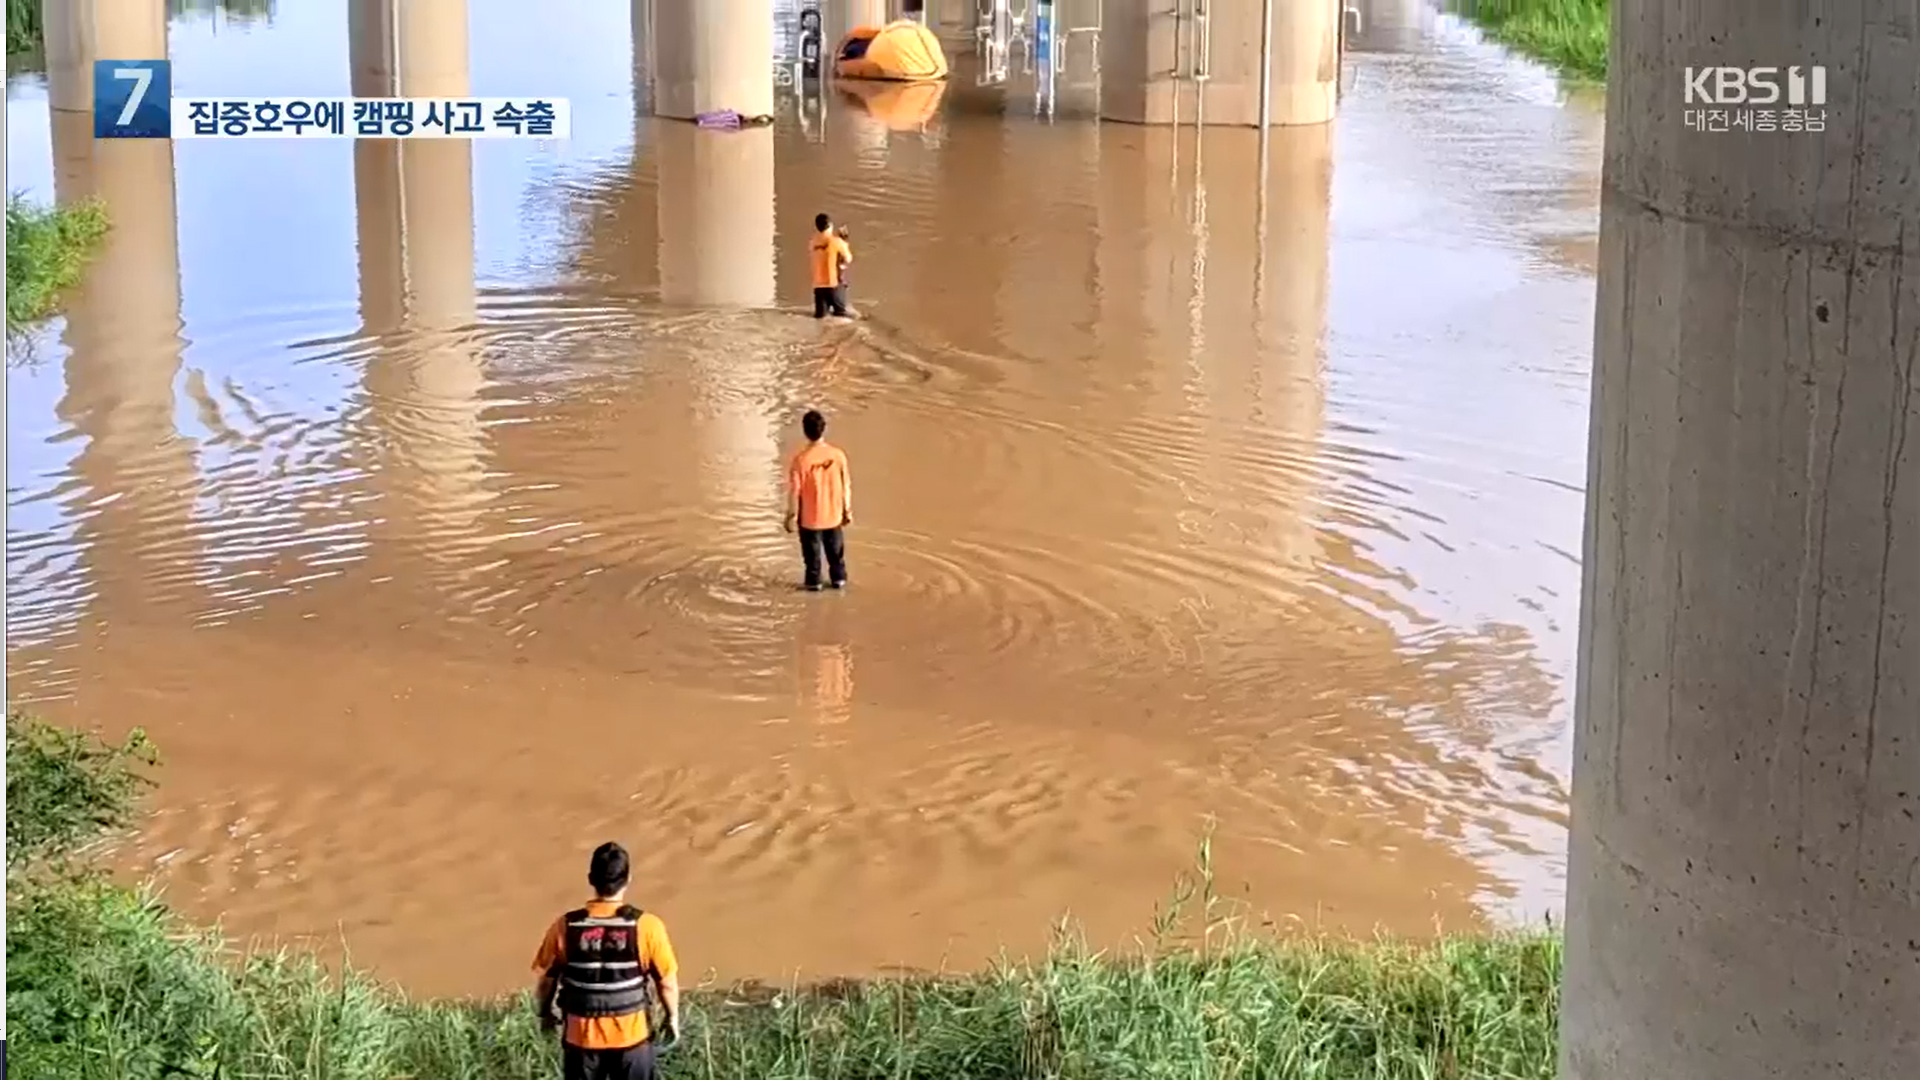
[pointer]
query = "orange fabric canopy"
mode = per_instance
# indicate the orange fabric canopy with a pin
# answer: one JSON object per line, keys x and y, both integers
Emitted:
{"x": 901, "y": 51}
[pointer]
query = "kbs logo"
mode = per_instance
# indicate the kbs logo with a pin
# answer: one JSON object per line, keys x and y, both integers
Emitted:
{"x": 1738, "y": 86}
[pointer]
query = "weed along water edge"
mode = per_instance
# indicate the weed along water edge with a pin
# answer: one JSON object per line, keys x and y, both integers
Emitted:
{"x": 105, "y": 983}
{"x": 47, "y": 251}
{"x": 1571, "y": 36}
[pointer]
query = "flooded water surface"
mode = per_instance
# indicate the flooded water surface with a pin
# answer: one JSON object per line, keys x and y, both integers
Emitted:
{"x": 423, "y": 501}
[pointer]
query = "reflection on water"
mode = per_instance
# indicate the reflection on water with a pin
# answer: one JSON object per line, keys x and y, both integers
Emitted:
{"x": 1184, "y": 495}
{"x": 233, "y": 11}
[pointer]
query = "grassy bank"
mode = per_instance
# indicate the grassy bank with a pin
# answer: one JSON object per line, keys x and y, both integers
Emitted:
{"x": 106, "y": 983}
{"x": 47, "y": 248}
{"x": 1569, "y": 35}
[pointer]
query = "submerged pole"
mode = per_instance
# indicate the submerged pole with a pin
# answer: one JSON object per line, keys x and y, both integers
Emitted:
{"x": 1266, "y": 69}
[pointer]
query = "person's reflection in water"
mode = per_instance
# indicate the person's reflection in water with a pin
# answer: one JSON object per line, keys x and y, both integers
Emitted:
{"x": 825, "y": 666}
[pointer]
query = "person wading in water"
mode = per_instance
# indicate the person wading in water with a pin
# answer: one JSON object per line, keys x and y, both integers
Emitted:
{"x": 597, "y": 967}
{"x": 820, "y": 499}
{"x": 829, "y": 253}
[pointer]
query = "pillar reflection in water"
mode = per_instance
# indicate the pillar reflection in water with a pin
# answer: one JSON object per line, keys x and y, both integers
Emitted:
{"x": 123, "y": 319}
{"x": 425, "y": 386}
{"x": 870, "y": 132}
{"x": 1390, "y": 26}
{"x": 716, "y": 206}
{"x": 1286, "y": 223}
{"x": 1295, "y": 228}
{"x": 1242, "y": 352}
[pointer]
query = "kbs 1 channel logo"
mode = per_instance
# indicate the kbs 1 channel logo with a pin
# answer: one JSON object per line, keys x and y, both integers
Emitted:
{"x": 133, "y": 99}
{"x": 1756, "y": 99}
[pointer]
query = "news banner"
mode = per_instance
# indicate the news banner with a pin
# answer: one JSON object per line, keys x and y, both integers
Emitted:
{"x": 133, "y": 99}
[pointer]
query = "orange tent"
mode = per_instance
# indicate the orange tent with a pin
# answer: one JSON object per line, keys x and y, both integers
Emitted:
{"x": 901, "y": 51}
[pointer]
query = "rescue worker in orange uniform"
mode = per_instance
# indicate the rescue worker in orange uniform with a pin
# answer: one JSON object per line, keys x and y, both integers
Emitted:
{"x": 598, "y": 967}
{"x": 829, "y": 253}
{"x": 820, "y": 502}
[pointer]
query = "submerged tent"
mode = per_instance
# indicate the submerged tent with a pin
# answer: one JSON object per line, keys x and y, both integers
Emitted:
{"x": 900, "y": 105}
{"x": 901, "y": 51}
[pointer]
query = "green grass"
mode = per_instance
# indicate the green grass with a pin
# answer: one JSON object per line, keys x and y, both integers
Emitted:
{"x": 23, "y": 26}
{"x": 106, "y": 983}
{"x": 1569, "y": 35}
{"x": 47, "y": 249}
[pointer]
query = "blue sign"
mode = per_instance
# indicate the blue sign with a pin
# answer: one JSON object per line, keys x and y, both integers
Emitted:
{"x": 132, "y": 99}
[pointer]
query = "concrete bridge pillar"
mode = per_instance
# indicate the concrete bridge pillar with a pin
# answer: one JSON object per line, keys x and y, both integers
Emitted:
{"x": 852, "y": 13}
{"x": 1150, "y": 49}
{"x": 710, "y": 55}
{"x": 1744, "y": 868}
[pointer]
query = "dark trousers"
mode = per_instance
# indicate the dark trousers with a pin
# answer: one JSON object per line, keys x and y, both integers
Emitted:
{"x": 830, "y": 300}
{"x": 632, "y": 1063}
{"x": 832, "y": 542}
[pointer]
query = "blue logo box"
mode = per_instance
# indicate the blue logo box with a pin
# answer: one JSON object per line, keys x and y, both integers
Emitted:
{"x": 132, "y": 99}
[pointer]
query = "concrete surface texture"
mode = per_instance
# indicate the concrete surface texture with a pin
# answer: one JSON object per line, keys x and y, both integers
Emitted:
{"x": 1149, "y": 49}
{"x": 710, "y": 55}
{"x": 1744, "y": 879}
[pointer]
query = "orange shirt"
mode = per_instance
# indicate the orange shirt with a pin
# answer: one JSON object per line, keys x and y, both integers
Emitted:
{"x": 827, "y": 252}
{"x": 818, "y": 475}
{"x": 609, "y": 1032}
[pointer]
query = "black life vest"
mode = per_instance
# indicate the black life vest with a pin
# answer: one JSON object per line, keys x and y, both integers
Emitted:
{"x": 603, "y": 975}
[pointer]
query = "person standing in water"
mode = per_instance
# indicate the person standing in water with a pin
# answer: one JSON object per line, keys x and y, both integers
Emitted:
{"x": 820, "y": 501}
{"x": 829, "y": 253}
{"x": 598, "y": 967}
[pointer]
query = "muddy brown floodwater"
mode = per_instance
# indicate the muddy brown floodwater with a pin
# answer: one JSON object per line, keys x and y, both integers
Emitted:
{"x": 423, "y": 504}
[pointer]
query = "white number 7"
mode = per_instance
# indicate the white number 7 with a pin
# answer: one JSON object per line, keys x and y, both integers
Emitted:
{"x": 141, "y": 79}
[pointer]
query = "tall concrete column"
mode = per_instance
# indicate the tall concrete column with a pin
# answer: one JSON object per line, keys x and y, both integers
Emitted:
{"x": 1744, "y": 869}
{"x": 1144, "y": 43}
{"x": 640, "y": 17}
{"x": 713, "y": 54}
{"x": 844, "y": 15}
{"x": 123, "y": 319}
